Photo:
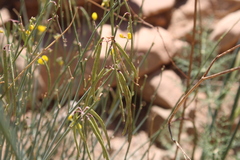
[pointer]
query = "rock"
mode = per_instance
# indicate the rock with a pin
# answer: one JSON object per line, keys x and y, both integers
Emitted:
{"x": 181, "y": 24}
{"x": 162, "y": 50}
{"x": 222, "y": 8}
{"x": 139, "y": 145}
{"x": 156, "y": 119}
{"x": 5, "y": 16}
{"x": 155, "y": 12}
{"x": 230, "y": 22}
{"x": 165, "y": 85}
{"x": 153, "y": 7}
{"x": 188, "y": 7}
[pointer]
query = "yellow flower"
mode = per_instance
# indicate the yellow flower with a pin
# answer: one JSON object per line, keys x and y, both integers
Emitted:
{"x": 112, "y": 51}
{"x": 59, "y": 61}
{"x": 56, "y": 36}
{"x": 79, "y": 126}
{"x": 129, "y": 35}
{"x": 43, "y": 59}
{"x": 105, "y": 3}
{"x": 70, "y": 117}
{"x": 41, "y": 28}
{"x": 27, "y": 32}
{"x": 31, "y": 27}
{"x": 94, "y": 16}
{"x": 1, "y": 31}
{"x": 121, "y": 35}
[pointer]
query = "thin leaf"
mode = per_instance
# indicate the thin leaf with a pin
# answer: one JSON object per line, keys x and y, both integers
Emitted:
{"x": 97, "y": 133}
{"x": 100, "y": 121}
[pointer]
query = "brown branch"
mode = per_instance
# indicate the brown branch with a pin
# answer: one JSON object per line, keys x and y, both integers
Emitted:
{"x": 221, "y": 73}
{"x": 189, "y": 77}
{"x": 203, "y": 78}
{"x": 219, "y": 56}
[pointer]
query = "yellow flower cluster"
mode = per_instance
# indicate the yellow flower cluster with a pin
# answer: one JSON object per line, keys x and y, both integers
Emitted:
{"x": 40, "y": 29}
{"x": 60, "y": 61}
{"x": 129, "y": 35}
{"x": 70, "y": 118}
{"x": 105, "y": 3}
{"x": 43, "y": 59}
{"x": 31, "y": 27}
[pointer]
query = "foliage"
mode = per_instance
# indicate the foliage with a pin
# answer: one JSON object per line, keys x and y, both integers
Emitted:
{"x": 61, "y": 124}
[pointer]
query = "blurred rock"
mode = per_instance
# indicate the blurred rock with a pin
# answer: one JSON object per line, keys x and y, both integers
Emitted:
{"x": 153, "y": 7}
{"x": 230, "y": 22}
{"x": 156, "y": 119}
{"x": 4, "y": 16}
{"x": 181, "y": 24}
{"x": 139, "y": 145}
{"x": 165, "y": 85}
{"x": 188, "y": 8}
{"x": 157, "y": 13}
{"x": 221, "y": 8}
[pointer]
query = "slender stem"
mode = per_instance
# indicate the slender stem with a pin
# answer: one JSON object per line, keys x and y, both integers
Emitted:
{"x": 221, "y": 73}
{"x": 219, "y": 56}
{"x": 231, "y": 140}
{"x": 189, "y": 74}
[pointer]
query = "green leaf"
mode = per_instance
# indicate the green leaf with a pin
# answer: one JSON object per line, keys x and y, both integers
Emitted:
{"x": 97, "y": 133}
{"x": 100, "y": 121}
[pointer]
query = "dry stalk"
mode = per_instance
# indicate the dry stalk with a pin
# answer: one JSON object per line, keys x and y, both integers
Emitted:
{"x": 189, "y": 77}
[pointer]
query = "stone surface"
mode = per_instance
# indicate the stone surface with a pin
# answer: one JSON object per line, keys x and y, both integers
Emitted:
{"x": 180, "y": 26}
{"x": 4, "y": 15}
{"x": 166, "y": 86}
{"x": 139, "y": 145}
{"x": 156, "y": 119}
{"x": 154, "y": 7}
{"x": 222, "y": 7}
{"x": 188, "y": 8}
{"x": 229, "y": 23}
{"x": 155, "y": 12}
